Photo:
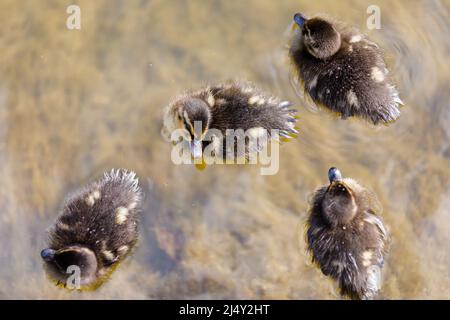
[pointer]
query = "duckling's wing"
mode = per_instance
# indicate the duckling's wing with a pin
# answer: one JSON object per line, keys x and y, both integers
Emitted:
{"x": 376, "y": 221}
{"x": 301, "y": 92}
{"x": 247, "y": 108}
{"x": 377, "y": 251}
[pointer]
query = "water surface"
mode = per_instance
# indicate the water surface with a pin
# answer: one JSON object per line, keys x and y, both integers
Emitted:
{"x": 76, "y": 103}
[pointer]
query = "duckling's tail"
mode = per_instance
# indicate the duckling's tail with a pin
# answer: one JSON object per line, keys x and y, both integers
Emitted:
{"x": 123, "y": 185}
{"x": 288, "y": 129}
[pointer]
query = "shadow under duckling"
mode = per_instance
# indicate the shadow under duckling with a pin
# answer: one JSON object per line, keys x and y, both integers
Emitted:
{"x": 343, "y": 70}
{"x": 346, "y": 237}
{"x": 207, "y": 116}
{"x": 97, "y": 228}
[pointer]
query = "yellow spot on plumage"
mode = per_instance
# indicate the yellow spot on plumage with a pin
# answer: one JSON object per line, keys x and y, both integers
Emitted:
{"x": 122, "y": 250}
{"x": 253, "y": 100}
{"x": 96, "y": 194}
{"x": 352, "y": 98}
{"x": 211, "y": 100}
{"x": 221, "y": 101}
{"x": 377, "y": 75}
{"x": 108, "y": 255}
{"x": 90, "y": 200}
{"x": 356, "y": 38}
{"x": 132, "y": 205}
{"x": 121, "y": 215}
{"x": 62, "y": 226}
{"x": 313, "y": 83}
{"x": 367, "y": 256}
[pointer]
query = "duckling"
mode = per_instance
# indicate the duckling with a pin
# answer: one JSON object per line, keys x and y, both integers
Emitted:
{"x": 97, "y": 228}
{"x": 346, "y": 237}
{"x": 227, "y": 106}
{"x": 343, "y": 70}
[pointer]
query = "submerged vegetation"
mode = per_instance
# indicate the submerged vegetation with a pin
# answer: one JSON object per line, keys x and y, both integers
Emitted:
{"x": 74, "y": 103}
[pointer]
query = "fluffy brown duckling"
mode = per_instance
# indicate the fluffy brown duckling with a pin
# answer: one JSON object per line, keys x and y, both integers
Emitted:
{"x": 343, "y": 70}
{"x": 219, "y": 108}
{"x": 346, "y": 236}
{"x": 97, "y": 228}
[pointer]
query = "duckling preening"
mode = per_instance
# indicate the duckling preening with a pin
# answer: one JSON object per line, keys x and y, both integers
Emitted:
{"x": 226, "y": 108}
{"x": 97, "y": 228}
{"x": 346, "y": 237}
{"x": 343, "y": 70}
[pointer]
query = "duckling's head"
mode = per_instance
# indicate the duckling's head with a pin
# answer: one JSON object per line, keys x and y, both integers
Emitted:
{"x": 339, "y": 205}
{"x": 319, "y": 36}
{"x": 67, "y": 261}
{"x": 194, "y": 116}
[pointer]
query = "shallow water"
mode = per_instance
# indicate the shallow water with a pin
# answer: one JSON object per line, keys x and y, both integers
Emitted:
{"x": 76, "y": 103}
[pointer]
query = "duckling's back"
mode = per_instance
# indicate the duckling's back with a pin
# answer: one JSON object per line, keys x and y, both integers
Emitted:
{"x": 102, "y": 216}
{"x": 242, "y": 106}
{"x": 352, "y": 254}
{"x": 353, "y": 82}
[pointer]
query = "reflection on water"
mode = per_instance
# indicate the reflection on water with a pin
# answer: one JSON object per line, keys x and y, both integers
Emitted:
{"x": 76, "y": 103}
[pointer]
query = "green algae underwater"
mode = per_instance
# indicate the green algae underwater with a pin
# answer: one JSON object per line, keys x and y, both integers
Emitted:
{"x": 76, "y": 103}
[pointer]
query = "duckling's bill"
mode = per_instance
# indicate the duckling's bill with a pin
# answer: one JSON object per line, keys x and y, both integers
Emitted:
{"x": 196, "y": 148}
{"x": 334, "y": 174}
{"x": 299, "y": 19}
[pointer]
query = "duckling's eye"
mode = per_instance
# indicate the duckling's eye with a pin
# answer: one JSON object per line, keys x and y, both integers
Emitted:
{"x": 341, "y": 189}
